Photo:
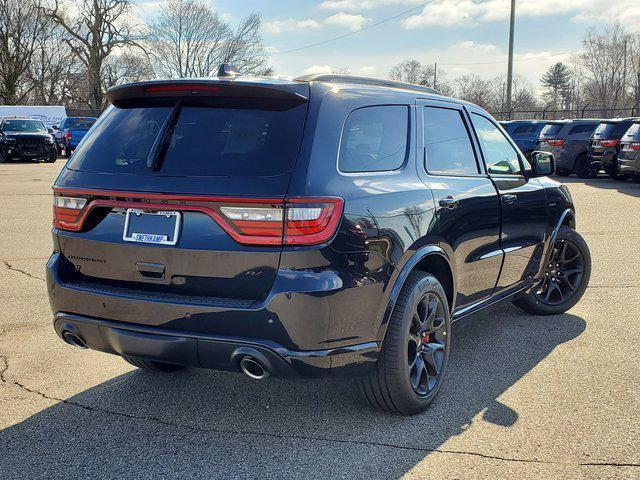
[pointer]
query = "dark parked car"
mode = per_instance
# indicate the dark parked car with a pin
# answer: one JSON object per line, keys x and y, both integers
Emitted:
{"x": 568, "y": 140}
{"x": 629, "y": 156}
{"x": 524, "y": 133}
{"x": 70, "y": 132}
{"x": 604, "y": 147}
{"x": 325, "y": 225}
{"x": 26, "y": 139}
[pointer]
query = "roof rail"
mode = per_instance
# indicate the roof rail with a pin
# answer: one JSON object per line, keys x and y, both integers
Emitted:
{"x": 354, "y": 80}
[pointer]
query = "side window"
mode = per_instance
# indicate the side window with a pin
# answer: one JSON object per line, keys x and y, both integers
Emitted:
{"x": 374, "y": 139}
{"x": 499, "y": 155}
{"x": 524, "y": 130}
{"x": 447, "y": 145}
{"x": 588, "y": 128}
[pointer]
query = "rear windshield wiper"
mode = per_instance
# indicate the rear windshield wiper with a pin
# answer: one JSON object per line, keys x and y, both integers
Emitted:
{"x": 156, "y": 154}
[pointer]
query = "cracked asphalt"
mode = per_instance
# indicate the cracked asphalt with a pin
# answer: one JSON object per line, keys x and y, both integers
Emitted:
{"x": 526, "y": 397}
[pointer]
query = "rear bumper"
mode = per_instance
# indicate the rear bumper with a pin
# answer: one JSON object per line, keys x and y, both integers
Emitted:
{"x": 628, "y": 165}
{"x": 288, "y": 330}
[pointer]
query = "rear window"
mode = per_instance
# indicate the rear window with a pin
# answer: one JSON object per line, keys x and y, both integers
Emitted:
{"x": 80, "y": 122}
{"x": 586, "y": 128}
{"x": 605, "y": 130}
{"x": 374, "y": 139}
{"x": 525, "y": 130}
{"x": 633, "y": 132}
{"x": 193, "y": 140}
{"x": 551, "y": 129}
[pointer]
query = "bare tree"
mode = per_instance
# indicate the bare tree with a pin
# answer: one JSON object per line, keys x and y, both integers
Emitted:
{"x": 97, "y": 29}
{"x": 54, "y": 68}
{"x": 21, "y": 24}
{"x": 189, "y": 39}
{"x": 412, "y": 71}
{"x": 603, "y": 63}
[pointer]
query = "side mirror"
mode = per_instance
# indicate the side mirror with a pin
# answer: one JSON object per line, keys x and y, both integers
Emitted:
{"x": 543, "y": 164}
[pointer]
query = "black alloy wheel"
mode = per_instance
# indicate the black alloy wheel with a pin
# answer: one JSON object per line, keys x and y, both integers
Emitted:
{"x": 414, "y": 357}
{"x": 616, "y": 174}
{"x": 566, "y": 276}
{"x": 563, "y": 274}
{"x": 427, "y": 344}
{"x": 584, "y": 168}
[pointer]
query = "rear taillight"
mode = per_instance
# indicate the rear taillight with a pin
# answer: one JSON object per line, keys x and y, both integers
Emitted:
{"x": 68, "y": 135}
{"x": 609, "y": 143}
{"x": 300, "y": 221}
{"x": 294, "y": 221}
{"x": 555, "y": 143}
{"x": 68, "y": 212}
{"x": 634, "y": 146}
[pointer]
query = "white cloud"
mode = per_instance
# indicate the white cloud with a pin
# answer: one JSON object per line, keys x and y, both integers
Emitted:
{"x": 348, "y": 20}
{"x": 357, "y": 5}
{"x": 471, "y": 45}
{"x": 314, "y": 69}
{"x": 472, "y": 12}
{"x": 367, "y": 69}
{"x": 276, "y": 27}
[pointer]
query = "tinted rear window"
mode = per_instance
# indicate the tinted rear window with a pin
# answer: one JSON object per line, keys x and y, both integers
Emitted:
{"x": 199, "y": 141}
{"x": 84, "y": 123}
{"x": 551, "y": 129}
{"x": 606, "y": 130}
{"x": 374, "y": 139}
{"x": 633, "y": 132}
{"x": 525, "y": 130}
{"x": 585, "y": 128}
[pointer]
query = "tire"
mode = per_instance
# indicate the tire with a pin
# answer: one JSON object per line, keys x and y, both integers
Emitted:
{"x": 67, "y": 152}
{"x": 563, "y": 172}
{"x": 636, "y": 178}
{"x": 51, "y": 159}
{"x": 616, "y": 174}
{"x": 582, "y": 167}
{"x": 152, "y": 365}
{"x": 571, "y": 280}
{"x": 396, "y": 385}
{"x": 3, "y": 158}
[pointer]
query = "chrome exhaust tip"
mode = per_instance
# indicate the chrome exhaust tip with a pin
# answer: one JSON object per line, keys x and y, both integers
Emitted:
{"x": 253, "y": 368}
{"x": 73, "y": 339}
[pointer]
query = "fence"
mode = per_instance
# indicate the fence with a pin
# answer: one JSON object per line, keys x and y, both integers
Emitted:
{"x": 583, "y": 112}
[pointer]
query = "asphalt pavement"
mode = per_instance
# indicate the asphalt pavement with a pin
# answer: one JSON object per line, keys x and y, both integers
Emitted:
{"x": 526, "y": 397}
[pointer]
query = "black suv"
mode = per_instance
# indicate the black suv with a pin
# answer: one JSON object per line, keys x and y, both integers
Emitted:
{"x": 26, "y": 139}
{"x": 604, "y": 148}
{"x": 325, "y": 225}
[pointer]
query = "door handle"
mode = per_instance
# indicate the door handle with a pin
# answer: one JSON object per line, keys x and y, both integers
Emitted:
{"x": 509, "y": 198}
{"x": 448, "y": 202}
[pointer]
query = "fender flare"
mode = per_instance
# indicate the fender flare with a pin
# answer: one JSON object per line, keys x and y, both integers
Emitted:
{"x": 401, "y": 277}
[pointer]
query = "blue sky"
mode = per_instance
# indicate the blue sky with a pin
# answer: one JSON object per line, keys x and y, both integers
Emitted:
{"x": 463, "y": 36}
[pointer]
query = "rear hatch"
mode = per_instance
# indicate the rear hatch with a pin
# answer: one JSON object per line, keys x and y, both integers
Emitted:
{"x": 549, "y": 140}
{"x": 605, "y": 140}
{"x": 178, "y": 190}
{"x": 630, "y": 143}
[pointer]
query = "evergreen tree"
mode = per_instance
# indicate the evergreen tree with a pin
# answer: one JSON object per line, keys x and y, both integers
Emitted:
{"x": 556, "y": 84}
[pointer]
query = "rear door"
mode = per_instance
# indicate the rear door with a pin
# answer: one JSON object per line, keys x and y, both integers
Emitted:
{"x": 523, "y": 203}
{"x": 467, "y": 205}
{"x": 185, "y": 196}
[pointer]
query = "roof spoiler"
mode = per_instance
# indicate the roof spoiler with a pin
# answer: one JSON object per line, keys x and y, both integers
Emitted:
{"x": 210, "y": 87}
{"x": 355, "y": 80}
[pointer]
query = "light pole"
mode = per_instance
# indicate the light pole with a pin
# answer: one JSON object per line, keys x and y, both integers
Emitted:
{"x": 510, "y": 63}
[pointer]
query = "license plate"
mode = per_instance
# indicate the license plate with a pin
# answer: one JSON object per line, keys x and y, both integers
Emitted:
{"x": 159, "y": 228}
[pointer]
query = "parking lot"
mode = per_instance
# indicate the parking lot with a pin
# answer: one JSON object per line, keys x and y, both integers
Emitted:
{"x": 526, "y": 397}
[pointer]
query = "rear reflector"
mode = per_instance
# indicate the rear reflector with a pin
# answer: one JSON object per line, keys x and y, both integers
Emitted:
{"x": 555, "y": 143}
{"x": 293, "y": 221}
{"x": 609, "y": 143}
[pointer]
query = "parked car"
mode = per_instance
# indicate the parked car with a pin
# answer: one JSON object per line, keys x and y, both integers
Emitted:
{"x": 524, "y": 133}
{"x": 568, "y": 140}
{"x": 70, "y": 132}
{"x": 48, "y": 114}
{"x": 604, "y": 147}
{"x": 629, "y": 156}
{"x": 328, "y": 225}
{"x": 26, "y": 139}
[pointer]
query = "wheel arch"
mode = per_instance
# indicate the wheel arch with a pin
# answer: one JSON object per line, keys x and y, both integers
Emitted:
{"x": 431, "y": 259}
{"x": 576, "y": 157}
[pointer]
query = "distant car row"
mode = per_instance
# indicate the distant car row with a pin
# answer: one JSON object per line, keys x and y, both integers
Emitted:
{"x": 583, "y": 146}
{"x": 26, "y": 138}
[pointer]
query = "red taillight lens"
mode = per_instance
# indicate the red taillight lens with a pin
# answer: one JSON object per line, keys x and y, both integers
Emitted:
{"x": 300, "y": 221}
{"x": 68, "y": 212}
{"x": 634, "y": 146}
{"x": 68, "y": 135}
{"x": 310, "y": 222}
{"x": 555, "y": 143}
{"x": 609, "y": 143}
